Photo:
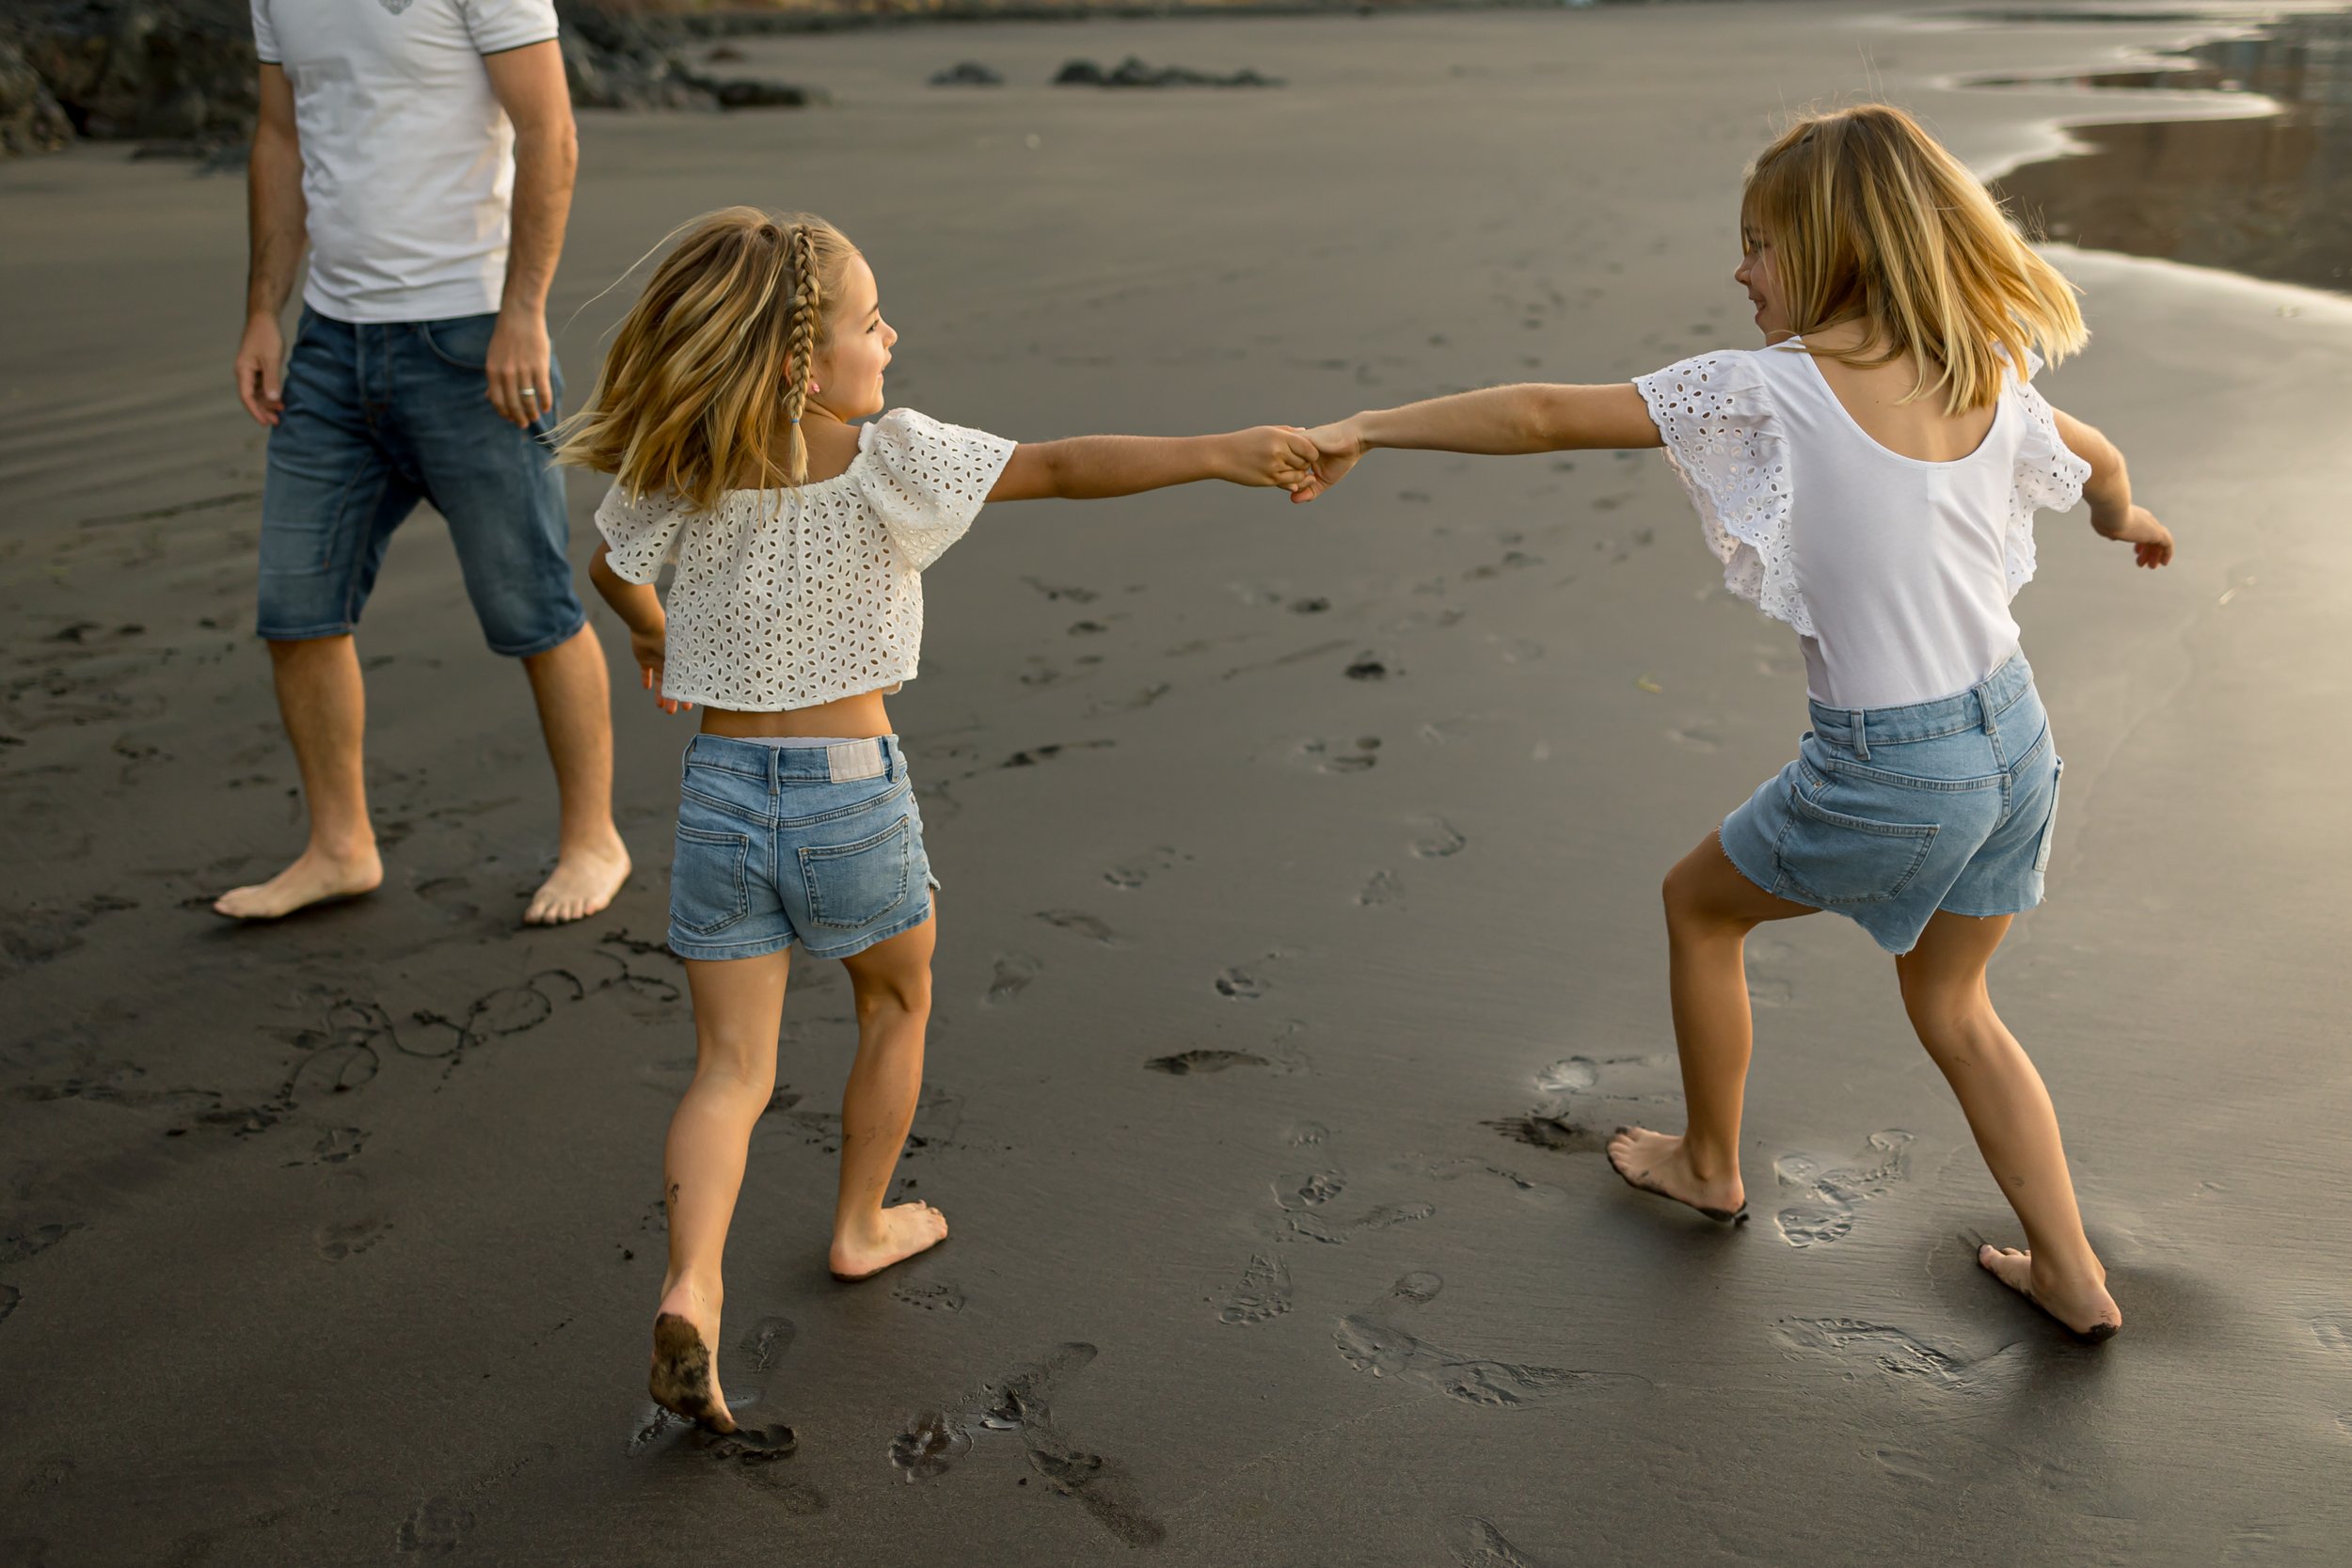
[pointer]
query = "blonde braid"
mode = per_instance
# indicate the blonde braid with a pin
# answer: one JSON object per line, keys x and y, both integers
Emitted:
{"x": 801, "y": 323}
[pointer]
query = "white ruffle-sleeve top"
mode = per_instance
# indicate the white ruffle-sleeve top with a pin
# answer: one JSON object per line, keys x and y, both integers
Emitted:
{"x": 784, "y": 599}
{"x": 1896, "y": 573}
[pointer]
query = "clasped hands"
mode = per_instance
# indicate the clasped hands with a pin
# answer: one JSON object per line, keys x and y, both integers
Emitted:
{"x": 1304, "y": 462}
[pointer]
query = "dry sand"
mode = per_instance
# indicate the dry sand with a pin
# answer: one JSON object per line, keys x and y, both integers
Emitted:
{"x": 336, "y": 1242}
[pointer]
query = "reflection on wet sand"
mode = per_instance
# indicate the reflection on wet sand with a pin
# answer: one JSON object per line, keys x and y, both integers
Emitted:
{"x": 2268, "y": 195}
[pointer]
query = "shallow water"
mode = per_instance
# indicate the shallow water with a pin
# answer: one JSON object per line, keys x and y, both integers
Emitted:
{"x": 2269, "y": 196}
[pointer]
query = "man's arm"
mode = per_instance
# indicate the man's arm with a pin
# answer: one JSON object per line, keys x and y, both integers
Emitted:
{"x": 275, "y": 214}
{"x": 529, "y": 83}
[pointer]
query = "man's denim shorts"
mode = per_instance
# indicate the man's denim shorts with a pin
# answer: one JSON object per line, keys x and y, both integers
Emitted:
{"x": 1889, "y": 814}
{"x": 377, "y": 417}
{"x": 818, "y": 845}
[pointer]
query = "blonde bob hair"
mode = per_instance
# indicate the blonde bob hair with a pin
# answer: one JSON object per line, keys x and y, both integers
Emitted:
{"x": 721, "y": 340}
{"x": 1870, "y": 218}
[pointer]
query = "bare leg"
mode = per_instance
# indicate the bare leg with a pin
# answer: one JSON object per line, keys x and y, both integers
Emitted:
{"x": 738, "y": 1006}
{"x": 575, "y": 701}
{"x": 2009, "y": 1112}
{"x": 893, "y": 982}
{"x": 324, "y": 704}
{"x": 1710, "y": 908}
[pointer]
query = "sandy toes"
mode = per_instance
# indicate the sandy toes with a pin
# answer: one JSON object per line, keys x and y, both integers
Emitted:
{"x": 682, "y": 1378}
{"x": 1655, "y": 1162}
{"x": 905, "y": 1229}
{"x": 582, "y": 883}
{"x": 315, "y": 878}
{"x": 2083, "y": 1307}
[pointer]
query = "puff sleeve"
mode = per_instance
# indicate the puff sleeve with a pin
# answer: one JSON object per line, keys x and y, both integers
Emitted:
{"x": 639, "y": 535}
{"x": 2049, "y": 477}
{"x": 927, "y": 479}
{"x": 1716, "y": 416}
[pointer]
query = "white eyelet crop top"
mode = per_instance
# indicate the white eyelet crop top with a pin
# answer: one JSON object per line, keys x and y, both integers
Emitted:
{"x": 785, "y": 600}
{"x": 1897, "y": 573}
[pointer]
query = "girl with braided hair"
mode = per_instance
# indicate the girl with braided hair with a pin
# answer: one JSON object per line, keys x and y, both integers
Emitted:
{"x": 1869, "y": 477}
{"x": 725, "y": 415}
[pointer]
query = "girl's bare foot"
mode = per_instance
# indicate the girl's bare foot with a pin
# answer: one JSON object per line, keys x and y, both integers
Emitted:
{"x": 897, "y": 1233}
{"x": 1657, "y": 1163}
{"x": 685, "y": 1374}
{"x": 314, "y": 877}
{"x": 2081, "y": 1304}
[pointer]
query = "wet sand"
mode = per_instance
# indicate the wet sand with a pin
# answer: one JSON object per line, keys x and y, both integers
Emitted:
{"x": 1299, "y": 936}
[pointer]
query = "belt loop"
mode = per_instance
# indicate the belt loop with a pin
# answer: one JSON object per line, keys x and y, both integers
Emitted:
{"x": 1861, "y": 734}
{"x": 890, "y": 760}
{"x": 1984, "y": 707}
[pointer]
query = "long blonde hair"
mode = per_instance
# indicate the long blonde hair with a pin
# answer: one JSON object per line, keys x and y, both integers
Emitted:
{"x": 1870, "y": 218}
{"x": 721, "y": 338}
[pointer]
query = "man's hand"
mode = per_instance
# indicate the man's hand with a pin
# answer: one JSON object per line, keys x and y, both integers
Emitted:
{"x": 2151, "y": 541}
{"x": 260, "y": 362}
{"x": 1337, "y": 448}
{"x": 521, "y": 386}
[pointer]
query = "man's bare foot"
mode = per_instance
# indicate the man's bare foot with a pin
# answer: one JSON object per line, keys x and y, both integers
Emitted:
{"x": 899, "y": 1233}
{"x": 314, "y": 877}
{"x": 1656, "y": 1163}
{"x": 685, "y": 1377}
{"x": 2082, "y": 1304}
{"x": 584, "y": 881}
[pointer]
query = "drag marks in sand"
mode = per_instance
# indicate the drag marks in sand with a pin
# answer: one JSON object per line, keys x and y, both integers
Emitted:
{"x": 1020, "y": 1402}
{"x": 1584, "y": 1098}
{"x": 1896, "y": 1354}
{"x": 1826, "y": 1199}
{"x": 1374, "y": 1341}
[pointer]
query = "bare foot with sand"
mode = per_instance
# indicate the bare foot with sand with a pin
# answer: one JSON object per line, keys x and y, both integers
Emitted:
{"x": 684, "y": 1378}
{"x": 315, "y": 878}
{"x": 1656, "y": 1163}
{"x": 584, "y": 880}
{"x": 2081, "y": 1304}
{"x": 899, "y": 1233}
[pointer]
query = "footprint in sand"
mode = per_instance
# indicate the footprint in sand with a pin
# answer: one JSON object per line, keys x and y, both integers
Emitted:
{"x": 1082, "y": 924}
{"x": 1142, "y": 868}
{"x": 1896, "y": 1354}
{"x": 940, "y": 1297}
{"x": 1333, "y": 757}
{"x": 353, "y": 1224}
{"x": 1239, "y": 984}
{"x": 1264, "y": 1292}
{"x": 2334, "y": 1331}
{"x": 1014, "y": 972}
{"x": 1310, "y": 1190}
{"x": 1825, "y": 1198}
{"x": 1443, "y": 844}
{"x": 1482, "y": 1546}
{"x": 1380, "y": 888}
{"x": 1019, "y": 1401}
{"x": 1306, "y": 1134}
{"x": 436, "y": 1529}
{"x": 1374, "y": 1341}
{"x": 763, "y": 1348}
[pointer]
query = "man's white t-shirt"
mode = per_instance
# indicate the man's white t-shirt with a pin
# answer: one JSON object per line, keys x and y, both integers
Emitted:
{"x": 407, "y": 159}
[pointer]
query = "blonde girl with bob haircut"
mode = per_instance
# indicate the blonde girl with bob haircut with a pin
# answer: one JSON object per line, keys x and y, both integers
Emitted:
{"x": 1868, "y": 477}
{"x": 725, "y": 414}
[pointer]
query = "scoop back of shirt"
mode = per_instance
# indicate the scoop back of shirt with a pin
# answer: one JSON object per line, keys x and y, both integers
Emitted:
{"x": 407, "y": 159}
{"x": 1897, "y": 573}
{"x": 785, "y": 599}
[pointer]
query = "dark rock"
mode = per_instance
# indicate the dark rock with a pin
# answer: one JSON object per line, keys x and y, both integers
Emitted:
{"x": 725, "y": 54}
{"x": 970, "y": 74}
{"x": 30, "y": 119}
{"x": 1132, "y": 73}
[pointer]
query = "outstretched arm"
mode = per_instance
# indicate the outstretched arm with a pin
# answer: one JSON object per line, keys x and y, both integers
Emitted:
{"x": 1532, "y": 417}
{"x": 1091, "y": 468}
{"x": 2109, "y": 493}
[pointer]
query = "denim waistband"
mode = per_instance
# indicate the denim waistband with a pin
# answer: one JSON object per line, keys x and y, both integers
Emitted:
{"x": 835, "y": 761}
{"x": 1979, "y": 707}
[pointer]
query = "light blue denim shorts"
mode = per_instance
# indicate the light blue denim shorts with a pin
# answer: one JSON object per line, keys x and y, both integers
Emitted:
{"x": 816, "y": 844}
{"x": 1889, "y": 814}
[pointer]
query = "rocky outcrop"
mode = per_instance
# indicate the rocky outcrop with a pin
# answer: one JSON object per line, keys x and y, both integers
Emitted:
{"x": 1132, "y": 73}
{"x": 180, "y": 74}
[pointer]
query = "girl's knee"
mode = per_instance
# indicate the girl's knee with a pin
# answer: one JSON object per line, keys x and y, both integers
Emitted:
{"x": 905, "y": 991}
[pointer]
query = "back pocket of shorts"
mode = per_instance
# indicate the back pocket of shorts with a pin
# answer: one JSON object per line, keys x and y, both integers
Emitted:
{"x": 1830, "y": 859}
{"x": 708, "y": 891}
{"x": 852, "y": 886}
